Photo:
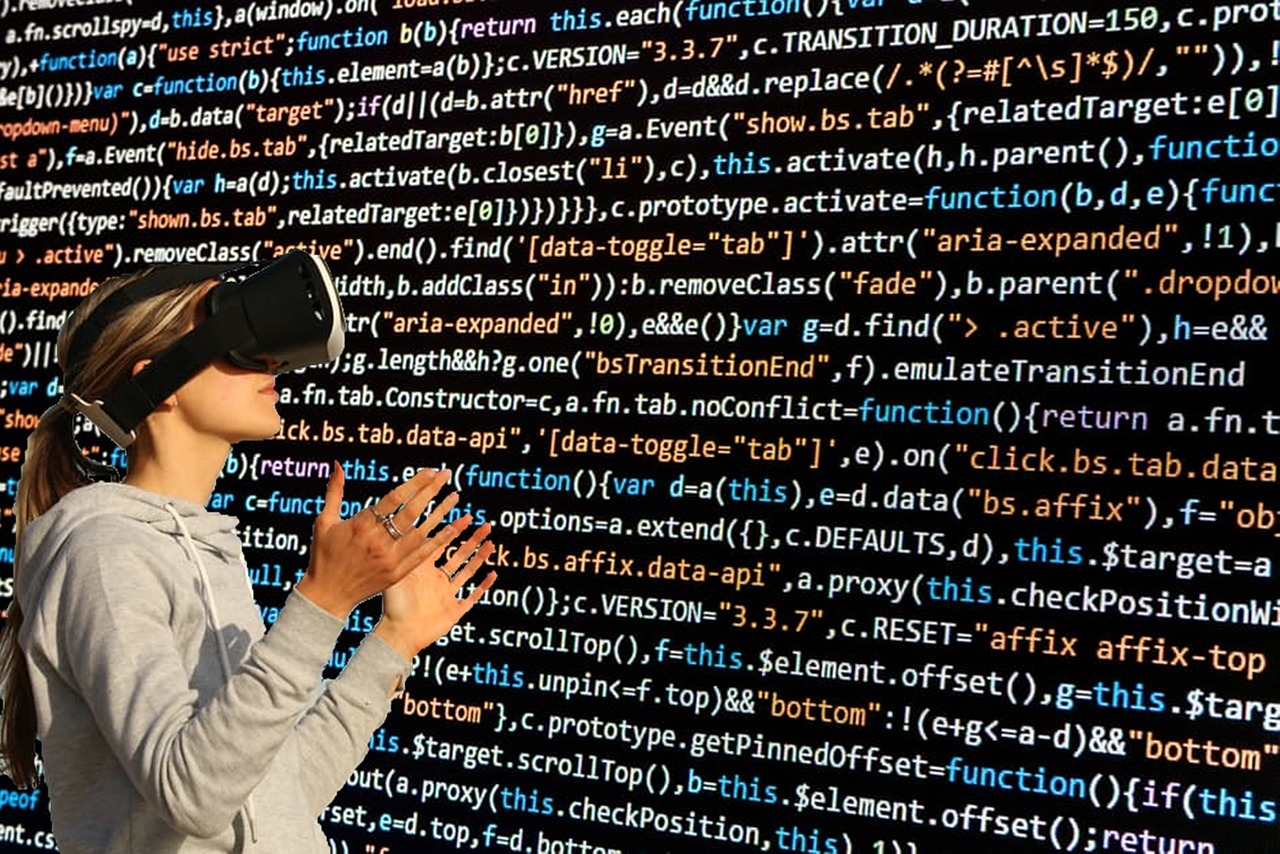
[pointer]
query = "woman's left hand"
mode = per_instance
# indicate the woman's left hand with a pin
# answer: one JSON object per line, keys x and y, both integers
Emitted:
{"x": 423, "y": 606}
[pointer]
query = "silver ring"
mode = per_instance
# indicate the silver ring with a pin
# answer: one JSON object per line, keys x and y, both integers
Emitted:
{"x": 389, "y": 522}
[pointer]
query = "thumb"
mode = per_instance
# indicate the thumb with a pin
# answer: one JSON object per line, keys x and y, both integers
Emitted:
{"x": 330, "y": 513}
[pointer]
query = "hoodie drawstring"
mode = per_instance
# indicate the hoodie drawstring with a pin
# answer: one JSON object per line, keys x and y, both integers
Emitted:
{"x": 215, "y": 621}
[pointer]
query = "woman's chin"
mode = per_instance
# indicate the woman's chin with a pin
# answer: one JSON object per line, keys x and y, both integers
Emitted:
{"x": 267, "y": 430}
{"x": 274, "y": 431}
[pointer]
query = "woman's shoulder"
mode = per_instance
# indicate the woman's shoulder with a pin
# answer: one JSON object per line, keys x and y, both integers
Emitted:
{"x": 95, "y": 528}
{"x": 89, "y": 553}
{"x": 100, "y": 509}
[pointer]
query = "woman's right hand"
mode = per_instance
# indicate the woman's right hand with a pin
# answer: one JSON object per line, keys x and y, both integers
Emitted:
{"x": 423, "y": 606}
{"x": 354, "y": 559}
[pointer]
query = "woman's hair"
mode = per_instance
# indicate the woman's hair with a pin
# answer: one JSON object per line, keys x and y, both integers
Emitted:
{"x": 55, "y": 465}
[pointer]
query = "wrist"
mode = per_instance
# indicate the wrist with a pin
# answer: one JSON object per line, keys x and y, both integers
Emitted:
{"x": 315, "y": 593}
{"x": 391, "y": 634}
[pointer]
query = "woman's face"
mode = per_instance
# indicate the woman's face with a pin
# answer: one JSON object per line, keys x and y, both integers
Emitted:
{"x": 230, "y": 402}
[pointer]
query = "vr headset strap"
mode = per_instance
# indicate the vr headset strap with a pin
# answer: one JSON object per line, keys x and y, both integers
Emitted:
{"x": 172, "y": 277}
{"x": 137, "y": 397}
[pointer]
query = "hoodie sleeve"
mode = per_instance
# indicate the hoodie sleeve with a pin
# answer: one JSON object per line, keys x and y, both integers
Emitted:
{"x": 195, "y": 764}
{"x": 333, "y": 737}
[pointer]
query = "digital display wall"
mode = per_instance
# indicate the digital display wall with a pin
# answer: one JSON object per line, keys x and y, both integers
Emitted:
{"x": 875, "y": 402}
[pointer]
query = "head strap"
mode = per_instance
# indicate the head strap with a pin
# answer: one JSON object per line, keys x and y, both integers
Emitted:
{"x": 138, "y": 396}
{"x": 150, "y": 283}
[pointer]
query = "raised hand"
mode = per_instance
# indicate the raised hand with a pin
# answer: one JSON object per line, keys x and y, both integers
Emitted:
{"x": 420, "y": 608}
{"x": 354, "y": 559}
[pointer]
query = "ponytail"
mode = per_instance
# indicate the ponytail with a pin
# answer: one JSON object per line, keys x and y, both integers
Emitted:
{"x": 18, "y": 723}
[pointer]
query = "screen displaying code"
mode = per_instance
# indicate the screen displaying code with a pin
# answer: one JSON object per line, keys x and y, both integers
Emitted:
{"x": 874, "y": 401}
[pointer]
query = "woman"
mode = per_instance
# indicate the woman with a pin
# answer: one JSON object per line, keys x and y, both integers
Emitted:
{"x": 134, "y": 649}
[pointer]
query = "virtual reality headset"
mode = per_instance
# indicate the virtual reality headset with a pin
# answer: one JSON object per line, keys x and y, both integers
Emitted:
{"x": 276, "y": 316}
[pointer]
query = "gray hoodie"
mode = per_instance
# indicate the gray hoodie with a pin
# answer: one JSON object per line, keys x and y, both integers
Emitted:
{"x": 148, "y": 746}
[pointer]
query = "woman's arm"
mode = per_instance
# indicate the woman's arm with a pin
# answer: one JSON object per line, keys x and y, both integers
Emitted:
{"x": 194, "y": 762}
{"x": 333, "y": 736}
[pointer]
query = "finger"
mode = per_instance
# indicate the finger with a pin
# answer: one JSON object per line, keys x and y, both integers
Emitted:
{"x": 402, "y": 493}
{"x": 436, "y": 553}
{"x": 450, "y": 569}
{"x": 329, "y": 513}
{"x": 474, "y": 597}
{"x": 407, "y": 515}
{"x": 437, "y": 542}
{"x": 477, "y": 560}
{"x": 406, "y": 546}
{"x": 461, "y": 553}
{"x": 427, "y": 528}
{"x": 425, "y": 538}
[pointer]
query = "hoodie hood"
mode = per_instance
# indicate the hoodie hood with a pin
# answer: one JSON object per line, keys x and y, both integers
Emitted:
{"x": 44, "y": 535}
